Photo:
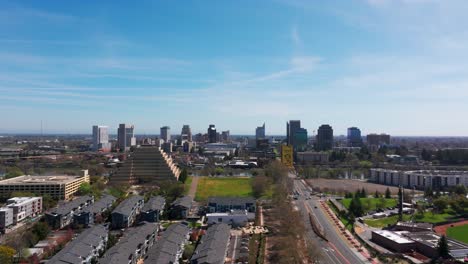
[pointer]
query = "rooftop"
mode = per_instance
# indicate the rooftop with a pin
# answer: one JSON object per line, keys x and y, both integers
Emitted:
{"x": 67, "y": 207}
{"x": 168, "y": 246}
{"x": 213, "y": 245}
{"x": 154, "y": 203}
{"x": 82, "y": 246}
{"x": 185, "y": 201}
{"x": 395, "y": 237}
{"x": 129, "y": 243}
{"x": 127, "y": 205}
{"x": 27, "y": 179}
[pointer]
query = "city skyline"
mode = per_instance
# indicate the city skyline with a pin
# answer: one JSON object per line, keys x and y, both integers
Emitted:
{"x": 397, "y": 67}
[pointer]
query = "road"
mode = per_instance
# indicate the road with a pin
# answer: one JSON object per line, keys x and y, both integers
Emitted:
{"x": 336, "y": 250}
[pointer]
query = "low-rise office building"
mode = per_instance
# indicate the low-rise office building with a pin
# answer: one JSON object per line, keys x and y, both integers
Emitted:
{"x": 6, "y": 218}
{"x": 63, "y": 215}
{"x": 125, "y": 214}
{"x": 213, "y": 246}
{"x": 91, "y": 214}
{"x": 420, "y": 179}
{"x": 85, "y": 249}
{"x": 24, "y": 207}
{"x": 392, "y": 240}
{"x": 153, "y": 209}
{"x": 61, "y": 187}
{"x": 226, "y": 204}
{"x": 133, "y": 246}
{"x": 169, "y": 248}
{"x": 427, "y": 244}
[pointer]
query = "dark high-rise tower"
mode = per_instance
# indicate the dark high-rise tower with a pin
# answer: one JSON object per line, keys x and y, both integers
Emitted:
{"x": 186, "y": 134}
{"x": 324, "y": 138}
{"x": 354, "y": 137}
{"x": 260, "y": 132}
{"x": 212, "y": 135}
{"x": 291, "y": 128}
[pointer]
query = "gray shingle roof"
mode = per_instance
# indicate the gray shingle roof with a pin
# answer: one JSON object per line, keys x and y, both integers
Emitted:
{"x": 82, "y": 246}
{"x": 100, "y": 205}
{"x": 127, "y": 205}
{"x": 67, "y": 207}
{"x": 129, "y": 243}
{"x": 154, "y": 203}
{"x": 185, "y": 201}
{"x": 170, "y": 243}
{"x": 213, "y": 246}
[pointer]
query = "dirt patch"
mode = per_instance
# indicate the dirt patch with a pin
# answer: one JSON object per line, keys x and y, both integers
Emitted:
{"x": 442, "y": 229}
{"x": 343, "y": 186}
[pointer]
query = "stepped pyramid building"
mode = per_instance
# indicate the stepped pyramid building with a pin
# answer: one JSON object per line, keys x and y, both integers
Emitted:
{"x": 147, "y": 164}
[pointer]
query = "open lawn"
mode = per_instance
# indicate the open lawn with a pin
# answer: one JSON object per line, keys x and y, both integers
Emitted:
{"x": 236, "y": 186}
{"x": 370, "y": 204}
{"x": 187, "y": 184}
{"x": 459, "y": 233}
{"x": 428, "y": 217}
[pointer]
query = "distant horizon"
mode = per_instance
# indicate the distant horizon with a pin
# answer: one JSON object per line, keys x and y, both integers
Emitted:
{"x": 232, "y": 135}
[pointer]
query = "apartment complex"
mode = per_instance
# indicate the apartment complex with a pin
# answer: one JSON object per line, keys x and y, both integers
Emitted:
{"x": 420, "y": 179}
{"x": 133, "y": 246}
{"x": 6, "y": 218}
{"x": 24, "y": 207}
{"x": 63, "y": 215}
{"x": 153, "y": 209}
{"x": 147, "y": 164}
{"x": 91, "y": 214}
{"x": 213, "y": 246}
{"x": 170, "y": 247}
{"x": 85, "y": 249}
{"x": 61, "y": 187}
{"x": 125, "y": 214}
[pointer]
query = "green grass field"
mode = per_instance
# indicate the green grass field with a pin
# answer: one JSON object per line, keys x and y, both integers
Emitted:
{"x": 427, "y": 218}
{"x": 238, "y": 186}
{"x": 370, "y": 204}
{"x": 187, "y": 184}
{"x": 384, "y": 222}
{"x": 459, "y": 233}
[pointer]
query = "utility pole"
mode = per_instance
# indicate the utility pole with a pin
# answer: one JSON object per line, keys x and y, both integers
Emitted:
{"x": 400, "y": 204}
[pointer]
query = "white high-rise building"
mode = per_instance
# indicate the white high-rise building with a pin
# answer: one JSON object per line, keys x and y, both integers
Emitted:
{"x": 126, "y": 137}
{"x": 101, "y": 138}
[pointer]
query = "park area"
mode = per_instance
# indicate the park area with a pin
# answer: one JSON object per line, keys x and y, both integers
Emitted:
{"x": 372, "y": 204}
{"x": 211, "y": 186}
{"x": 343, "y": 186}
{"x": 427, "y": 217}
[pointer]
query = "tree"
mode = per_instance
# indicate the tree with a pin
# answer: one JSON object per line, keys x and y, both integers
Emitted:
{"x": 12, "y": 172}
{"x": 442, "y": 247}
{"x": 6, "y": 254}
{"x": 440, "y": 204}
{"x": 388, "y": 194}
{"x": 381, "y": 203}
{"x": 84, "y": 189}
{"x": 259, "y": 185}
{"x": 460, "y": 189}
{"x": 363, "y": 193}
{"x": 376, "y": 194}
{"x": 183, "y": 175}
{"x": 355, "y": 207}
{"x": 41, "y": 230}
{"x": 426, "y": 155}
{"x": 428, "y": 192}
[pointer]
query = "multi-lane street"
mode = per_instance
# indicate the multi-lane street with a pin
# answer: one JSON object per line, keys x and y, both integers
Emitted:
{"x": 336, "y": 249}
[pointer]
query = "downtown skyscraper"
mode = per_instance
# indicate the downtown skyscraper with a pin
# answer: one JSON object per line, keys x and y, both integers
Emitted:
{"x": 101, "y": 138}
{"x": 126, "y": 137}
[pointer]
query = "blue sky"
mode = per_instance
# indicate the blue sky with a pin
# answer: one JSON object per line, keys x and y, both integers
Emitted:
{"x": 395, "y": 66}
